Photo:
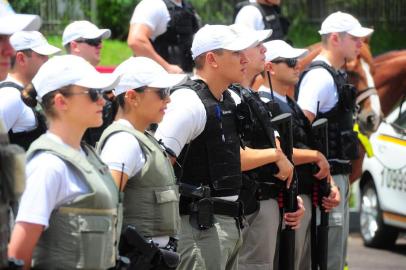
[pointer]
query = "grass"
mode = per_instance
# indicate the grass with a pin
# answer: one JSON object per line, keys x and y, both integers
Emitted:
{"x": 113, "y": 52}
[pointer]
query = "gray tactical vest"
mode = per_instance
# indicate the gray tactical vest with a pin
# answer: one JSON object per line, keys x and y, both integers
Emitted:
{"x": 81, "y": 234}
{"x": 151, "y": 197}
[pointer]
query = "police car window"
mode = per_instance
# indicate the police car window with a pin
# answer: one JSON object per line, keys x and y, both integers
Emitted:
{"x": 400, "y": 122}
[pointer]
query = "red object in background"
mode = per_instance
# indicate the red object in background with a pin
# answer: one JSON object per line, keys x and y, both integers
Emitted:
{"x": 103, "y": 69}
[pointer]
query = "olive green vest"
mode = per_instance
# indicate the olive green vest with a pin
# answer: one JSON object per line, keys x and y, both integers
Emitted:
{"x": 81, "y": 234}
{"x": 151, "y": 197}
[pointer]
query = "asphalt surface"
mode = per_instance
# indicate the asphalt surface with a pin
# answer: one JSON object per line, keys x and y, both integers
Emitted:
{"x": 360, "y": 257}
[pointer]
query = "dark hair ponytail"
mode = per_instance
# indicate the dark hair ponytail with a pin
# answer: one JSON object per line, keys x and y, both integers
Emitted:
{"x": 29, "y": 95}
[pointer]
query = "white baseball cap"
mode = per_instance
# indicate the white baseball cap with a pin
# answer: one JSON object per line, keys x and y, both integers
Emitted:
{"x": 212, "y": 37}
{"x": 11, "y": 22}
{"x": 83, "y": 29}
{"x": 281, "y": 49}
{"x": 259, "y": 35}
{"x": 60, "y": 71}
{"x": 344, "y": 22}
{"x": 34, "y": 40}
{"x": 141, "y": 71}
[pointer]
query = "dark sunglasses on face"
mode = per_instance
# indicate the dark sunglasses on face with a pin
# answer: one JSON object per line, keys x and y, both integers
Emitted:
{"x": 290, "y": 62}
{"x": 91, "y": 42}
{"x": 162, "y": 93}
{"x": 94, "y": 94}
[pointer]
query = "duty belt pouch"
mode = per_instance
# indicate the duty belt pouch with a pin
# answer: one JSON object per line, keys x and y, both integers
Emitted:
{"x": 202, "y": 217}
{"x": 349, "y": 145}
{"x": 169, "y": 260}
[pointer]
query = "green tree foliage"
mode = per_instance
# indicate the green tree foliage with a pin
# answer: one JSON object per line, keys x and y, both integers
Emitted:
{"x": 116, "y": 15}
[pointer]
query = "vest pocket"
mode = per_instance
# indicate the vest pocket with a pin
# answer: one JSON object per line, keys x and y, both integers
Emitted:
{"x": 96, "y": 242}
{"x": 167, "y": 209}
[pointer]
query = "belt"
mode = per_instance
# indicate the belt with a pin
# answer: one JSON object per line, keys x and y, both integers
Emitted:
{"x": 340, "y": 168}
{"x": 220, "y": 207}
{"x": 266, "y": 191}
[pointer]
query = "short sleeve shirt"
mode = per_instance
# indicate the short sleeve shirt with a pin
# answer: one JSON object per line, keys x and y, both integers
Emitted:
{"x": 154, "y": 14}
{"x": 184, "y": 120}
{"x": 51, "y": 183}
{"x": 317, "y": 87}
{"x": 122, "y": 152}
{"x": 251, "y": 17}
{"x": 15, "y": 114}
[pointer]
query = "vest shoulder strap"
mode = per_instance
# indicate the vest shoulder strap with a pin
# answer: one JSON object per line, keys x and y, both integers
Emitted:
{"x": 11, "y": 84}
{"x": 266, "y": 95}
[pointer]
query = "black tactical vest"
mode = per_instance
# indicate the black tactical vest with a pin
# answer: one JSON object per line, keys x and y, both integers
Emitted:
{"x": 174, "y": 45}
{"x": 302, "y": 138}
{"x": 343, "y": 142}
{"x": 213, "y": 158}
{"x": 271, "y": 16}
{"x": 257, "y": 131}
{"x": 25, "y": 138}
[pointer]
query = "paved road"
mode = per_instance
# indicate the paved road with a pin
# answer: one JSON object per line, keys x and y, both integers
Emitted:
{"x": 362, "y": 258}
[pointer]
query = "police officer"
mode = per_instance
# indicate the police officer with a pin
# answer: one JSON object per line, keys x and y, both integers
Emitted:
{"x": 262, "y": 14}
{"x": 281, "y": 63}
{"x": 84, "y": 39}
{"x": 323, "y": 93}
{"x": 138, "y": 163}
{"x": 200, "y": 128}
{"x": 260, "y": 188}
{"x": 163, "y": 31}
{"x": 70, "y": 208}
{"x": 23, "y": 123}
{"x": 9, "y": 24}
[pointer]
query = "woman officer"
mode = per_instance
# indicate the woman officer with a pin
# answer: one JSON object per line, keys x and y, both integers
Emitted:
{"x": 138, "y": 163}
{"x": 69, "y": 209}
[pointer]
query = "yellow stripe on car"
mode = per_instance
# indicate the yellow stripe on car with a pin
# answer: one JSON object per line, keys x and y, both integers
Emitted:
{"x": 391, "y": 139}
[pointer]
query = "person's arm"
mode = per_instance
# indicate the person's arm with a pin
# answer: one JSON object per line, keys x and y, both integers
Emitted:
{"x": 139, "y": 41}
{"x": 254, "y": 158}
{"x": 11, "y": 107}
{"x": 23, "y": 241}
{"x": 304, "y": 156}
{"x": 309, "y": 115}
{"x": 124, "y": 157}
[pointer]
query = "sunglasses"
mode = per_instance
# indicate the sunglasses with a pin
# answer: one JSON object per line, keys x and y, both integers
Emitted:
{"x": 162, "y": 93}
{"x": 94, "y": 94}
{"x": 290, "y": 62}
{"x": 94, "y": 42}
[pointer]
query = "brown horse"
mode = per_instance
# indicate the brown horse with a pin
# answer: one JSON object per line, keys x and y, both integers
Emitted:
{"x": 390, "y": 81}
{"x": 390, "y": 78}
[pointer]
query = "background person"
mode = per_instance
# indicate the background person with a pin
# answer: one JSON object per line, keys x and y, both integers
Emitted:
{"x": 70, "y": 199}
{"x": 84, "y": 39}
{"x": 262, "y": 14}
{"x": 324, "y": 93}
{"x": 24, "y": 124}
{"x": 281, "y": 62}
{"x": 10, "y": 23}
{"x": 163, "y": 31}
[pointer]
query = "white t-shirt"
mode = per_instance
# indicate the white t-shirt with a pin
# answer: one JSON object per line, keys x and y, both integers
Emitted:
{"x": 251, "y": 17}
{"x": 317, "y": 86}
{"x": 123, "y": 148}
{"x": 184, "y": 120}
{"x": 154, "y": 14}
{"x": 15, "y": 114}
{"x": 263, "y": 88}
{"x": 51, "y": 182}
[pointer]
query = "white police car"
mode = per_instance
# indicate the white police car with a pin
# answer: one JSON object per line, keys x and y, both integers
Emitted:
{"x": 383, "y": 183}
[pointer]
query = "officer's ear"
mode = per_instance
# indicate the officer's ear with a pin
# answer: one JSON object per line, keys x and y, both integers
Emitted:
{"x": 132, "y": 97}
{"x": 211, "y": 59}
{"x": 269, "y": 67}
{"x": 20, "y": 58}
